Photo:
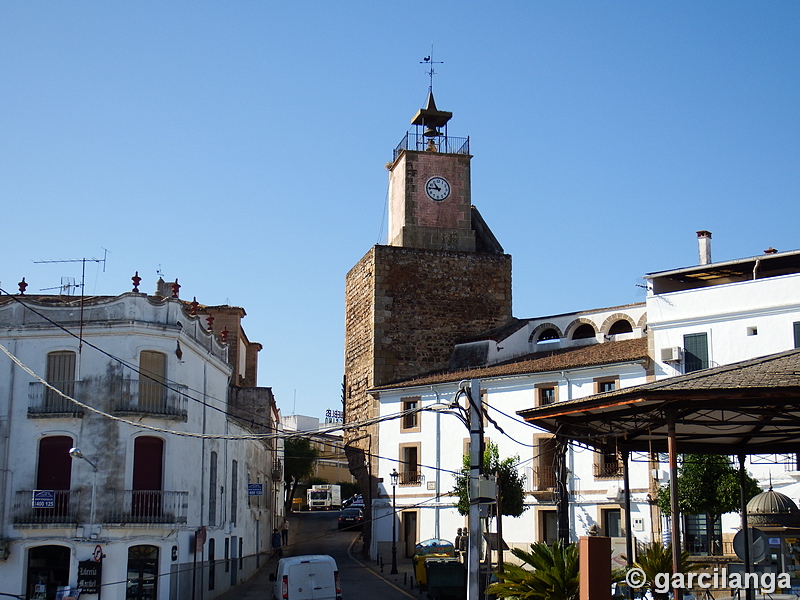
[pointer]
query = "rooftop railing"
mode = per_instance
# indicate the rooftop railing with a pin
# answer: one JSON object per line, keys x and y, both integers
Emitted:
{"x": 442, "y": 143}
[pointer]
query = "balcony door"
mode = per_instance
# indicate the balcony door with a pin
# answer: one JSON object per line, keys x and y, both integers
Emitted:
{"x": 152, "y": 380}
{"x": 148, "y": 477}
{"x": 61, "y": 375}
{"x": 54, "y": 472}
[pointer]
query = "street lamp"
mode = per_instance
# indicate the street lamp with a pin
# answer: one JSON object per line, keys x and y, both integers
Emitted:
{"x": 395, "y": 476}
{"x": 76, "y": 454}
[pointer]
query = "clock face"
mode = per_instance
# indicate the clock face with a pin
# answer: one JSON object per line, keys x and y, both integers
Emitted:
{"x": 437, "y": 188}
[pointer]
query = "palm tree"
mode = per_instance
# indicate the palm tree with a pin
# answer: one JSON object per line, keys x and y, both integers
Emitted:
{"x": 658, "y": 559}
{"x": 554, "y": 574}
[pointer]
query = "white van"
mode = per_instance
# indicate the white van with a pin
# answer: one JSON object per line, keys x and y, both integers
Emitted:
{"x": 307, "y": 577}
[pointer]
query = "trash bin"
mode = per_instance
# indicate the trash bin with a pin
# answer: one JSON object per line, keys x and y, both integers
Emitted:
{"x": 447, "y": 578}
{"x": 432, "y": 548}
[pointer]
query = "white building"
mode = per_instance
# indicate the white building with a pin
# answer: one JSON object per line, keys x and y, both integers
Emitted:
{"x": 149, "y": 469}
{"x": 696, "y": 317}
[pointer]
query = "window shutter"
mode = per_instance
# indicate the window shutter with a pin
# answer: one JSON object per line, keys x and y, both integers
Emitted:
{"x": 695, "y": 348}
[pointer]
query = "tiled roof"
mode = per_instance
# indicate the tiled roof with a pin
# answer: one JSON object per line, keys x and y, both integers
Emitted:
{"x": 541, "y": 362}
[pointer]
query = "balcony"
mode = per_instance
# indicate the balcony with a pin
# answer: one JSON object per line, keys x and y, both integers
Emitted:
{"x": 416, "y": 140}
{"x": 64, "y": 509}
{"x": 44, "y": 402}
{"x": 147, "y": 397}
{"x": 607, "y": 470}
{"x": 146, "y": 507}
{"x": 411, "y": 478}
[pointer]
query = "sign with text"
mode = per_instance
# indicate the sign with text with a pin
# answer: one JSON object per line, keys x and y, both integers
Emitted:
{"x": 43, "y": 499}
{"x": 255, "y": 489}
{"x": 89, "y": 575}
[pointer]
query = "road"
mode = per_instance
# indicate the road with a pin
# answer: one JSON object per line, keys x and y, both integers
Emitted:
{"x": 316, "y": 533}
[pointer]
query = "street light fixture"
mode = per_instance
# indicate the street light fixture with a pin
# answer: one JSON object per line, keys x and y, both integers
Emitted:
{"x": 395, "y": 477}
{"x": 76, "y": 454}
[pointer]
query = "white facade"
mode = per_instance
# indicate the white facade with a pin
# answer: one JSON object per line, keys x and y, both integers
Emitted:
{"x": 595, "y": 497}
{"x": 742, "y": 315}
{"x": 163, "y": 457}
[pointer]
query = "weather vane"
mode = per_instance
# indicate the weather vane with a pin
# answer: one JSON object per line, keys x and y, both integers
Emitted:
{"x": 428, "y": 60}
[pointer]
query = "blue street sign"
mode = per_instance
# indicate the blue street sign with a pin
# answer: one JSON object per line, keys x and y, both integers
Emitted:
{"x": 255, "y": 489}
{"x": 43, "y": 499}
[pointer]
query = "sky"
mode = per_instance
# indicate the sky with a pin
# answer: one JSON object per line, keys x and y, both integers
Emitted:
{"x": 240, "y": 147}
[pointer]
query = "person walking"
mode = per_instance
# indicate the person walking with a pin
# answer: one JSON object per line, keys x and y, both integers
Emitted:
{"x": 277, "y": 551}
{"x": 285, "y": 531}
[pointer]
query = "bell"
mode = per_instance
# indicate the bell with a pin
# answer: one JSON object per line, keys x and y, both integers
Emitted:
{"x": 431, "y": 132}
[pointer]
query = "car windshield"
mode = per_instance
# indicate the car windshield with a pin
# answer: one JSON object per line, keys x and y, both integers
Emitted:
{"x": 351, "y": 512}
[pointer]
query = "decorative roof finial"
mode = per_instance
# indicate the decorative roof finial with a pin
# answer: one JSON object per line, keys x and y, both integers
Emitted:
{"x": 22, "y": 287}
{"x": 136, "y": 281}
{"x": 428, "y": 60}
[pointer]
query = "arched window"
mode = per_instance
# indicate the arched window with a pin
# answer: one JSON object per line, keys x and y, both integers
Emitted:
{"x": 48, "y": 569}
{"x": 548, "y": 336}
{"x": 584, "y": 332}
{"x": 148, "y": 477}
{"x": 621, "y": 326}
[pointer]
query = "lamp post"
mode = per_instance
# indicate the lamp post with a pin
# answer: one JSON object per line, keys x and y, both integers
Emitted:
{"x": 395, "y": 476}
{"x": 75, "y": 454}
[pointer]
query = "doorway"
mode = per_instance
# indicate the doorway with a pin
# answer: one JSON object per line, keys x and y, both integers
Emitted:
{"x": 48, "y": 568}
{"x": 408, "y": 528}
{"x": 142, "y": 573}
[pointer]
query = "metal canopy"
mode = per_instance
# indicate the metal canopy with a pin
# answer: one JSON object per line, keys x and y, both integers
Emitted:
{"x": 750, "y": 407}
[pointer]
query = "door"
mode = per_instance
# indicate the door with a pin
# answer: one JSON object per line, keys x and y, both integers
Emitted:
{"x": 61, "y": 375}
{"x": 48, "y": 568}
{"x": 54, "y": 472}
{"x": 142, "y": 583}
{"x": 148, "y": 478}
{"x": 313, "y": 580}
{"x": 408, "y": 527}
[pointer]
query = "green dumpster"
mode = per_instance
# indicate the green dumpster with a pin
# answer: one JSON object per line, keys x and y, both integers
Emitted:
{"x": 432, "y": 548}
{"x": 447, "y": 578}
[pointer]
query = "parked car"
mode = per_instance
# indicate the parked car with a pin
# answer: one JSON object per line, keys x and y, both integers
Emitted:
{"x": 306, "y": 577}
{"x": 351, "y": 518}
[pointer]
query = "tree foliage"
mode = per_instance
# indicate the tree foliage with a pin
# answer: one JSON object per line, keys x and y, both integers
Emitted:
{"x": 658, "y": 559}
{"x": 554, "y": 574}
{"x": 509, "y": 480}
{"x": 707, "y": 484}
{"x": 299, "y": 459}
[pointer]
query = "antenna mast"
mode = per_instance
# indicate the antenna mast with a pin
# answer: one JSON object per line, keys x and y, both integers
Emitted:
{"x": 83, "y": 262}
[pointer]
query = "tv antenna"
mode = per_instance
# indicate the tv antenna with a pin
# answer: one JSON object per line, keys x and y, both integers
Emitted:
{"x": 428, "y": 60}
{"x": 82, "y": 284}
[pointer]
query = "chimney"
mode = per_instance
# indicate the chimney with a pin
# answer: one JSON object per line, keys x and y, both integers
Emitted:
{"x": 704, "y": 246}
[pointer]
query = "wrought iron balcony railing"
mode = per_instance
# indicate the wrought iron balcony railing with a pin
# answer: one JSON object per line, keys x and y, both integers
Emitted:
{"x": 53, "y": 507}
{"x": 411, "y": 478}
{"x": 44, "y": 402}
{"x": 146, "y": 507}
{"x": 544, "y": 479}
{"x": 149, "y": 397}
{"x": 607, "y": 470}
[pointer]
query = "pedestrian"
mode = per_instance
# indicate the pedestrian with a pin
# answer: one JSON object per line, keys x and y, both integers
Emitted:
{"x": 277, "y": 551}
{"x": 457, "y": 543}
{"x": 464, "y": 545}
{"x": 285, "y": 531}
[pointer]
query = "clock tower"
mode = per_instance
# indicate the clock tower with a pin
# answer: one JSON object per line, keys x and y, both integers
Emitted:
{"x": 441, "y": 277}
{"x": 429, "y": 186}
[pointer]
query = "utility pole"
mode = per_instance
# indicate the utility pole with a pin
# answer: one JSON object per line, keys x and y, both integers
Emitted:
{"x": 475, "y": 465}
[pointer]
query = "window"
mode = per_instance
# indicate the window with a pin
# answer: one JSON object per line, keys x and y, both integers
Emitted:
{"x": 410, "y": 421}
{"x": 234, "y": 490}
{"x": 548, "y": 336}
{"x": 607, "y": 464}
{"x": 212, "y": 564}
{"x": 546, "y": 393}
{"x": 227, "y": 555}
{"x": 611, "y": 522}
{"x": 548, "y": 526}
{"x": 621, "y": 326}
{"x": 796, "y": 334}
{"x": 61, "y": 375}
{"x": 584, "y": 332}
{"x": 409, "y": 464}
{"x": 152, "y": 380}
{"x": 544, "y": 460}
{"x": 212, "y": 490}
{"x": 605, "y": 384}
{"x": 695, "y": 351}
